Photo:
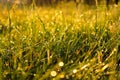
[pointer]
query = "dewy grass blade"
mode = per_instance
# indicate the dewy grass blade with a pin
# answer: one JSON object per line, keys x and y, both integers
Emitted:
{"x": 1, "y": 69}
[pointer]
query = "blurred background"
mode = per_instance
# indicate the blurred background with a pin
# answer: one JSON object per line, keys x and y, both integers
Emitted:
{"x": 53, "y": 3}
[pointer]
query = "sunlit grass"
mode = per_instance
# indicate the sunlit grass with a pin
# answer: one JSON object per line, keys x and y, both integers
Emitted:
{"x": 59, "y": 43}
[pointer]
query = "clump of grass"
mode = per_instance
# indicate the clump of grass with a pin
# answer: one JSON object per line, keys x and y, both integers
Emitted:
{"x": 57, "y": 45}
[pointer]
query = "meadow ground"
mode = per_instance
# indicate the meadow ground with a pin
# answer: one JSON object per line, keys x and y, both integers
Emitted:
{"x": 62, "y": 43}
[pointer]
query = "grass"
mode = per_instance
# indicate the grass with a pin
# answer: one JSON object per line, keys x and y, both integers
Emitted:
{"x": 59, "y": 43}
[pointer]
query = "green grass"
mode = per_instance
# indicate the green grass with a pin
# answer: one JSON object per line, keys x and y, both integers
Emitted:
{"x": 34, "y": 41}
